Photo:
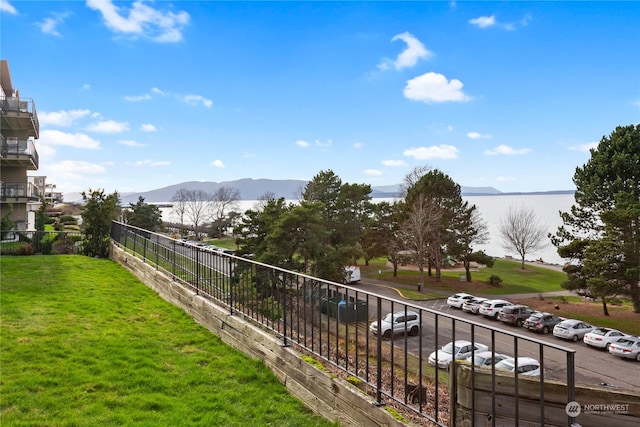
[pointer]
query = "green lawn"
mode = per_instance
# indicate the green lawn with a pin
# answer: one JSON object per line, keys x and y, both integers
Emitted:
{"x": 85, "y": 343}
{"x": 533, "y": 279}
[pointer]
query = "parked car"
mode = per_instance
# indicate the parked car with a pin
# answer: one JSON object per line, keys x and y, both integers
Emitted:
{"x": 397, "y": 323}
{"x": 602, "y": 337}
{"x": 456, "y": 300}
{"x": 515, "y": 314}
{"x": 487, "y": 358}
{"x": 571, "y": 329}
{"x": 526, "y": 366}
{"x": 458, "y": 350}
{"x": 492, "y": 307}
{"x": 473, "y": 305}
{"x": 627, "y": 347}
{"x": 542, "y": 322}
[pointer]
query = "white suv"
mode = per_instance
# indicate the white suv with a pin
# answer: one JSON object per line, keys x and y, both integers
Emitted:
{"x": 492, "y": 307}
{"x": 397, "y": 323}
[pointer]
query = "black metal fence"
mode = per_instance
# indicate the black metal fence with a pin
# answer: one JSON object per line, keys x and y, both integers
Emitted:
{"x": 332, "y": 322}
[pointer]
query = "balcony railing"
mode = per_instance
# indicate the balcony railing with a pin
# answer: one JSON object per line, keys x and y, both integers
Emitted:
{"x": 20, "y": 150}
{"x": 19, "y": 109}
{"x": 19, "y": 192}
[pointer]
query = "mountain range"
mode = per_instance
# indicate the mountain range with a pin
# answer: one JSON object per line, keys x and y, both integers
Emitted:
{"x": 253, "y": 189}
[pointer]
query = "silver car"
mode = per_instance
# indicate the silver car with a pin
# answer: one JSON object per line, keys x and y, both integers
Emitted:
{"x": 473, "y": 305}
{"x": 458, "y": 350}
{"x": 572, "y": 329}
{"x": 627, "y": 347}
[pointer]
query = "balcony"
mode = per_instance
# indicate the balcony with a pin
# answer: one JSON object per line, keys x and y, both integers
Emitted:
{"x": 19, "y": 114}
{"x": 18, "y": 192}
{"x": 19, "y": 153}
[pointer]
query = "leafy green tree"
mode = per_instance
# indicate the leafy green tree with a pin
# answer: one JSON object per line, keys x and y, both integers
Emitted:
{"x": 469, "y": 230}
{"x": 604, "y": 222}
{"x": 98, "y": 211}
{"x": 345, "y": 209}
{"x": 6, "y": 223}
{"x": 256, "y": 224}
{"x": 144, "y": 215}
{"x": 41, "y": 215}
{"x": 440, "y": 193}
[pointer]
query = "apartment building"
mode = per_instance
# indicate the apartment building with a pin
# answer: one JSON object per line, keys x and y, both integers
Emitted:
{"x": 19, "y": 128}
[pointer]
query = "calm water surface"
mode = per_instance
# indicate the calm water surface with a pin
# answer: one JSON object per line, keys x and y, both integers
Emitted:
{"x": 493, "y": 210}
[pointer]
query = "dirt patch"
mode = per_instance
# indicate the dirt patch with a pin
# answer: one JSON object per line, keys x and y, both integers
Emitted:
{"x": 573, "y": 308}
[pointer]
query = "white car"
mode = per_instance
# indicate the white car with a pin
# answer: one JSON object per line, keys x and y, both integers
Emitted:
{"x": 526, "y": 366}
{"x": 456, "y": 300}
{"x": 571, "y": 329}
{"x": 492, "y": 307}
{"x": 397, "y": 323}
{"x": 627, "y": 347}
{"x": 602, "y": 337}
{"x": 473, "y": 305}
{"x": 458, "y": 350}
{"x": 487, "y": 358}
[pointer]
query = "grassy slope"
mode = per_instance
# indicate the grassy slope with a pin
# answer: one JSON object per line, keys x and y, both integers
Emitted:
{"x": 85, "y": 343}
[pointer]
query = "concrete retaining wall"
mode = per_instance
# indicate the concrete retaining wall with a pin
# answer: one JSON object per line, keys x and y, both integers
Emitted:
{"x": 331, "y": 397}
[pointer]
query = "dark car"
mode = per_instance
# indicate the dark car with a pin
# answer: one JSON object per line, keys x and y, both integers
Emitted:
{"x": 542, "y": 322}
{"x": 515, "y": 314}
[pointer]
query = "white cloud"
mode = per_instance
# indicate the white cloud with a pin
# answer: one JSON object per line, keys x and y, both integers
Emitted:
{"x": 61, "y": 118}
{"x": 248, "y": 155}
{"x": 358, "y": 145}
{"x": 49, "y": 25}
{"x": 302, "y": 143}
{"x": 506, "y": 150}
{"x": 152, "y": 163}
{"x": 478, "y": 135}
{"x": 373, "y": 172}
{"x": 142, "y": 20}
{"x": 5, "y": 6}
{"x": 156, "y": 90}
{"x": 324, "y": 144}
{"x": 72, "y": 168}
{"x": 217, "y": 163}
{"x": 197, "y": 99}
{"x": 85, "y": 87}
{"x": 130, "y": 143}
{"x": 434, "y": 152}
{"x": 584, "y": 147}
{"x": 75, "y": 140}
{"x": 483, "y": 21}
{"x": 394, "y": 163}
{"x": 434, "y": 87}
{"x": 410, "y": 56}
{"x": 108, "y": 126}
{"x": 137, "y": 98}
{"x": 148, "y": 127}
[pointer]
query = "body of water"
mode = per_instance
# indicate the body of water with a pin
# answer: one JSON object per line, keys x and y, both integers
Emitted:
{"x": 493, "y": 209}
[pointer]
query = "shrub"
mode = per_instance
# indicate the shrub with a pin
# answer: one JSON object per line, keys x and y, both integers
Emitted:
{"x": 495, "y": 280}
{"x": 25, "y": 249}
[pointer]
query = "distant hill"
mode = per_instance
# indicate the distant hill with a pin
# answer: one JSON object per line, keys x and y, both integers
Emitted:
{"x": 253, "y": 189}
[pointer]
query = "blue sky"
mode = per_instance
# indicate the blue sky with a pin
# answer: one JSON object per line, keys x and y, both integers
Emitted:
{"x": 134, "y": 96}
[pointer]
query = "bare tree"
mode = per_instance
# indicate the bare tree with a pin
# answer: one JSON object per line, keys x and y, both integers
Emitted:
{"x": 196, "y": 208}
{"x": 522, "y": 232}
{"x": 412, "y": 178}
{"x": 422, "y": 222}
{"x": 223, "y": 199}
{"x": 180, "y": 201}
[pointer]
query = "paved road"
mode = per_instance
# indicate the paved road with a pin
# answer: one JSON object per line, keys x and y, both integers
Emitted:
{"x": 592, "y": 366}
